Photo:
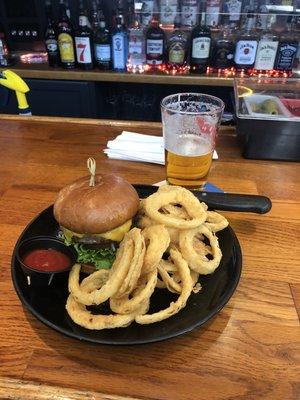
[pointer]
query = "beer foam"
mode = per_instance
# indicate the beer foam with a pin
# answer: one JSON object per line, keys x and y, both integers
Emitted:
{"x": 188, "y": 145}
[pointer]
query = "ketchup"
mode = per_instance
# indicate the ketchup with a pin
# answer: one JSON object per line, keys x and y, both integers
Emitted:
{"x": 46, "y": 260}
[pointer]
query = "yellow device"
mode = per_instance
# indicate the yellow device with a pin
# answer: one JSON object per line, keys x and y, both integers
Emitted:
{"x": 12, "y": 81}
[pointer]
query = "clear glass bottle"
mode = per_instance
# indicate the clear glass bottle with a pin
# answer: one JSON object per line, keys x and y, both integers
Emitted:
{"x": 200, "y": 47}
{"x": 119, "y": 45}
{"x": 168, "y": 12}
{"x": 233, "y": 10}
{"x": 189, "y": 13}
{"x": 136, "y": 45}
{"x": 177, "y": 47}
{"x": 213, "y": 8}
{"x": 102, "y": 41}
{"x": 147, "y": 12}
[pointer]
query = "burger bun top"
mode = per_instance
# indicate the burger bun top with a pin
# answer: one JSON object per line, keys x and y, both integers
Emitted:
{"x": 96, "y": 209}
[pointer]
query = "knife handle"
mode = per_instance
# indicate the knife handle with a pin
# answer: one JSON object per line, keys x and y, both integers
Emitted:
{"x": 236, "y": 202}
{"x": 222, "y": 201}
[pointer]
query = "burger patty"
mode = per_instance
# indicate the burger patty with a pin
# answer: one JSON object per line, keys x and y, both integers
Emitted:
{"x": 95, "y": 242}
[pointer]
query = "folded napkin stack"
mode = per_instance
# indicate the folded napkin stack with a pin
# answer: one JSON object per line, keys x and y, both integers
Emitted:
{"x": 133, "y": 146}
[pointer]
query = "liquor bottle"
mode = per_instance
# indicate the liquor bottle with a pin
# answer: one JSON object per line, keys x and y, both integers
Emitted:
{"x": 83, "y": 42}
{"x": 119, "y": 44}
{"x": 223, "y": 49}
{"x": 68, "y": 10}
{"x": 213, "y": 13}
{"x": 102, "y": 41}
{"x": 262, "y": 18}
{"x": 4, "y": 60}
{"x": 189, "y": 11}
{"x": 50, "y": 39}
{"x": 233, "y": 10}
{"x": 287, "y": 49}
{"x": 168, "y": 12}
{"x": 266, "y": 52}
{"x": 65, "y": 39}
{"x": 177, "y": 47}
{"x": 136, "y": 48}
{"x": 246, "y": 46}
{"x": 200, "y": 47}
{"x": 147, "y": 12}
{"x": 155, "y": 44}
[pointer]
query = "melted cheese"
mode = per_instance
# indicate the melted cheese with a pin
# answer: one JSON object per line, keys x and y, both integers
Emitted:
{"x": 116, "y": 234}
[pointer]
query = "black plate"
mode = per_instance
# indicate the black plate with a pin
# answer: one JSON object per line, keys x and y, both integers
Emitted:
{"x": 48, "y": 304}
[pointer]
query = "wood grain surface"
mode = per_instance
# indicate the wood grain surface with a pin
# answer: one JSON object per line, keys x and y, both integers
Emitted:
{"x": 250, "y": 350}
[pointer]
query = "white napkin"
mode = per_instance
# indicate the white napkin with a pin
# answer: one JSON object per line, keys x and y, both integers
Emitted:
{"x": 133, "y": 146}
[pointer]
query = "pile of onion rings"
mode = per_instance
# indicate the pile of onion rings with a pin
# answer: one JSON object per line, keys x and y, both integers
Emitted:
{"x": 173, "y": 243}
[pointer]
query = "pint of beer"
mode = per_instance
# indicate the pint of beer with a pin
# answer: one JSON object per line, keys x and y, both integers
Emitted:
{"x": 190, "y": 124}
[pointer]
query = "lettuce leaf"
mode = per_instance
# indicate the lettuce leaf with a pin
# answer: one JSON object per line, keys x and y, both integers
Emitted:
{"x": 101, "y": 258}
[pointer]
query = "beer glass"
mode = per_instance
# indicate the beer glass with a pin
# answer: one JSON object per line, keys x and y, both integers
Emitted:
{"x": 190, "y": 124}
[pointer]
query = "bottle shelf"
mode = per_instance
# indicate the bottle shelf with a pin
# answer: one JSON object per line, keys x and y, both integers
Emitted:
{"x": 42, "y": 71}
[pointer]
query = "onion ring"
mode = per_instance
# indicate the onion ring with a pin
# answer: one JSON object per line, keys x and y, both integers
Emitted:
{"x": 81, "y": 316}
{"x": 136, "y": 263}
{"x": 95, "y": 280}
{"x": 175, "y": 211}
{"x": 197, "y": 261}
{"x": 142, "y": 293}
{"x": 165, "y": 269}
{"x": 177, "y": 195}
{"x": 215, "y": 221}
{"x": 117, "y": 275}
{"x": 157, "y": 240}
{"x": 180, "y": 303}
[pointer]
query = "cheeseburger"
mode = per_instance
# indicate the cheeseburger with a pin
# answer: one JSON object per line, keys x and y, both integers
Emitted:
{"x": 95, "y": 218}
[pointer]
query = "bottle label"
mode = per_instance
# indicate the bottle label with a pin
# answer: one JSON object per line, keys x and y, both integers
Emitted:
{"x": 66, "y": 48}
{"x": 223, "y": 57}
{"x": 168, "y": 10}
{"x": 245, "y": 52}
{"x": 135, "y": 46}
{"x": 286, "y": 55}
{"x": 212, "y": 15}
{"x": 234, "y": 9}
{"x": 118, "y": 48}
{"x": 2, "y": 49}
{"x": 51, "y": 45}
{"x": 155, "y": 47}
{"x": 266, "y": 53}
{"x": 102, "y": 52}
{"x": 148, "y": 6}
{"x": 176, "y": 53}
{"x": 189, "y": 12}
{"x": 83, "y": 50}
{"x": 201, "y": 47}
{"x": 83, "y": 21}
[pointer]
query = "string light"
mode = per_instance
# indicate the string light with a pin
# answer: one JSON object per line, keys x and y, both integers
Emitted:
{"x": 185, "y": 69}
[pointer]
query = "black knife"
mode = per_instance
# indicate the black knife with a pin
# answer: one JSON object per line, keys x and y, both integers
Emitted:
{"x": 222, "y": 201}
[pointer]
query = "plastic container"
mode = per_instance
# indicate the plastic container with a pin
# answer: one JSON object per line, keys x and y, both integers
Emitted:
{"x": 262, "y": 135}
{"x": 38, "y": 277}
{"x": 293, "y": 105}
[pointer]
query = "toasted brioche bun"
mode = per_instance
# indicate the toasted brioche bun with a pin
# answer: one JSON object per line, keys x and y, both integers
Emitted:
{"x": 96, "y": 209}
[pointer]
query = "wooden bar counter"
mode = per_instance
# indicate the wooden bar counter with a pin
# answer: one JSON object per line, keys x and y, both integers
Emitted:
{"x": 250, "y": 350}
